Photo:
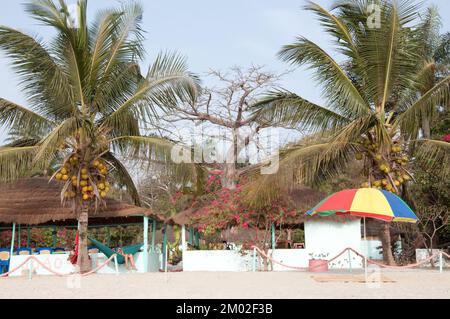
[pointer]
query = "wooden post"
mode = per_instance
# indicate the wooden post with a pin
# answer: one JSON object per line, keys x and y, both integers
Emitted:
{"x": 145, "y": 255}
{"x": 28, "y": 237}
{"x": 274, "y": 241}
{"x": 12, "y": 242}
{"x": 54, "y": 236}
{"x": 153, "y": 235}
{"x": 164, "y": 248}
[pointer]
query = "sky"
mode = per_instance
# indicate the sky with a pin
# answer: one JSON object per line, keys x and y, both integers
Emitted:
{"x": 210, "y": 34}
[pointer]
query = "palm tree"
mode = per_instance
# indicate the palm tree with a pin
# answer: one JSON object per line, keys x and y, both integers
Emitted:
{"x": 375, "y": 104}
{"x": 86, "y": 102}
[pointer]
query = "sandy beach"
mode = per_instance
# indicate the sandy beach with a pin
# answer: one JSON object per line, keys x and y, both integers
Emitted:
{"x": 190, "y": 285}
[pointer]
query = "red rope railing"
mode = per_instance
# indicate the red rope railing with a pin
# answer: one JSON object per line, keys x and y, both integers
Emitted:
{"x": 262, "y": 253}
{"x": 54, "y": 271}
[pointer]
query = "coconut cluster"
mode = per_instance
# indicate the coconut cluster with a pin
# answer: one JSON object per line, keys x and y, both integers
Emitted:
{"x": 387, "y": 169}
{"x": 89, "y": 181}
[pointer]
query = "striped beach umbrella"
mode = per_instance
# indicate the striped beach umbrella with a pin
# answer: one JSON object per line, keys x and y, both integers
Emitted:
{"x": 365, "y": 202}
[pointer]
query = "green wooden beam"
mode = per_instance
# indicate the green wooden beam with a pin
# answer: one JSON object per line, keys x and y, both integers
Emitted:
{"x": 191, "y": 236}
{"x": 153, "y": 236}
{"x": 197, "y": 239}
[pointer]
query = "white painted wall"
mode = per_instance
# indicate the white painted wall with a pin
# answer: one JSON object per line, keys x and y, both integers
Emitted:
{"x": 216, "y": 260}
{"x": 321, "y": 237}
{"x": 330, "y": 238}
{"x": 60, "y": 263}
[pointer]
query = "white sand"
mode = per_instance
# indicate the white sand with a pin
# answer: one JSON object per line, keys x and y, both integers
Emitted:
{"x": 409, "y": 284}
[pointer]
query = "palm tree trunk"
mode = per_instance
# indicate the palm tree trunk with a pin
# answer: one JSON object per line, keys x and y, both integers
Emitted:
{"x": 385, "y": 236}
{"x": 83, "y": 257}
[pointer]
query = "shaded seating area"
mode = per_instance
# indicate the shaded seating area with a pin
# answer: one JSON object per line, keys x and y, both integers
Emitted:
{"x": 39, "y": 205}
{"x": 4, "y": 259}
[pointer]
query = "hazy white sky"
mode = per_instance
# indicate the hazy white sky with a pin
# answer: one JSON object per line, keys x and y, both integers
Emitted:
{"x": 211, "y": 34}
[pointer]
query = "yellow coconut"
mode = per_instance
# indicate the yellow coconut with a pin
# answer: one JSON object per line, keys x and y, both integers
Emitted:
{"x": 65, "y": 177}
{"x": 58, "y": 176}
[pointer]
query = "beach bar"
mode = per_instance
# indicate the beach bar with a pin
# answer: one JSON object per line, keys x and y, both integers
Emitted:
{"x": 35, "y": 202}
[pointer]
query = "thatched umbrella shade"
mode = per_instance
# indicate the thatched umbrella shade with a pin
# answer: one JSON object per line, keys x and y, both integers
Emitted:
{"x": 36, "y": 201}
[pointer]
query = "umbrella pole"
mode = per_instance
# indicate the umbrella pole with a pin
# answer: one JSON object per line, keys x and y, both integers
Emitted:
{"x": 366, "y": 250}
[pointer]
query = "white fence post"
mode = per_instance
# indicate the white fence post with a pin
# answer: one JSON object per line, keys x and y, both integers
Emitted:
{"x": 254, "y": 259}
{"x": 30, "y": 269}
{"x": 116, "y": 265}
{"x": 349, "y": 260}
{"x": 440, "y": 261}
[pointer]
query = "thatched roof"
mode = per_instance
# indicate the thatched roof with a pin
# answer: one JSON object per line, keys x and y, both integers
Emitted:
{"x": 34, "y": 201}
{"x": 301, "y": 199}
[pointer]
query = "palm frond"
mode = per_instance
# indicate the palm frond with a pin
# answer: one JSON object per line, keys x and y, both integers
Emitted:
{"x": 123, "y": 177}
{"x": 167, "y": 83}
{"x": 286, "y": 108}
{"x": 434, "y": 155}
{"x": 338, "y": 88}
{"x": 14, "y": 115}
{"x": 424, "y": 106}
{"x": 390, "y": 53}
{"x": 48, "y": 13}
{"x": 56, "y": 140}
{"x": 16, "y": 162}
{"x": 337, "y": 28}
{"x": 45, "y": 82}
{"x": 126, "y": 37}
{"x": 153, "y": 149}
{"x": 170, "y": 68}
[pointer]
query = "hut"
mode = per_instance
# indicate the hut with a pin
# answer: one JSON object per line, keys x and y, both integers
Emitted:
{"x": 324, "y": 237}
{"x": 36, "y": 202}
